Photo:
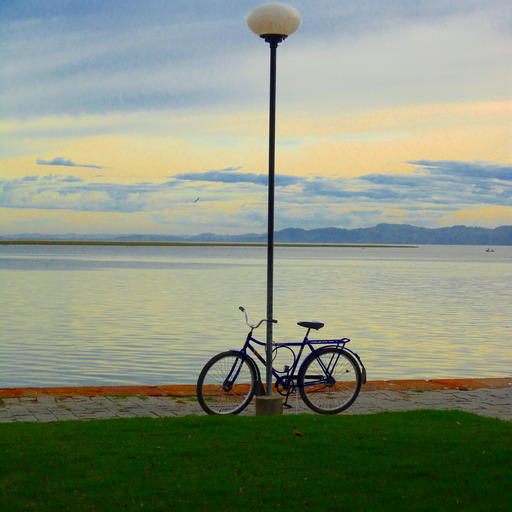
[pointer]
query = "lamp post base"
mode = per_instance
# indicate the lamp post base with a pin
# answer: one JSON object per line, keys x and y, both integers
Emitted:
{"x": 269, "y": 405}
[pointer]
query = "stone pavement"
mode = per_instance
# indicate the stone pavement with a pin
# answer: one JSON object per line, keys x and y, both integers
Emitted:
{"x": 488, "y": 397}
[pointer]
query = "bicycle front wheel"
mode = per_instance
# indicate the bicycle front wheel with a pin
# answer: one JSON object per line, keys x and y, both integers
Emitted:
{"x": 226, "y": 384}
{"x": 330, "y": 380}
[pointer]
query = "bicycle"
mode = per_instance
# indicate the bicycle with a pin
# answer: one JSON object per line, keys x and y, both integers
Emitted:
{"x": 328, "y": 379}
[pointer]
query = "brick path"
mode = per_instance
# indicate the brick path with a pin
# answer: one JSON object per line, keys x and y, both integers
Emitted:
{"x": 488, "y": 397}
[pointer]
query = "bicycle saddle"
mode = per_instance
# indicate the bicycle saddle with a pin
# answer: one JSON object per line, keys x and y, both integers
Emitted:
{"x": 314, "y": 324}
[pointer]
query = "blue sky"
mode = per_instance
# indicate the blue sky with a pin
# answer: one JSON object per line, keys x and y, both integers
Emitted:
{"x": 116, "y": 116}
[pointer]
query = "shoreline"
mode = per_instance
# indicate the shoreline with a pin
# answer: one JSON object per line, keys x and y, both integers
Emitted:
{"x": 418, "y": 385}
{"x": 197, "y": 244}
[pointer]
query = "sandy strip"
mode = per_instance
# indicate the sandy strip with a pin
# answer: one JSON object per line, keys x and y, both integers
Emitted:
{"x": 190, "y": 389}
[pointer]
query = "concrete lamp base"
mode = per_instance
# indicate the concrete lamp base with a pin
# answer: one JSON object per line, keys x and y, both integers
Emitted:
{"x": 269, "y": 405}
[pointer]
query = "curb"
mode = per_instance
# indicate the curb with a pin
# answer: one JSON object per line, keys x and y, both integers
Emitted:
{"x": 190, "y": 389}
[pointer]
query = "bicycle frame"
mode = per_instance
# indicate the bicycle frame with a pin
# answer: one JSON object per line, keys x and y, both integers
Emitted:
{"x": 287, "y": 382}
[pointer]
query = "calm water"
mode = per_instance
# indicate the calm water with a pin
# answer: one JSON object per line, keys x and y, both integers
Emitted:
{"x": 88, "y": 315}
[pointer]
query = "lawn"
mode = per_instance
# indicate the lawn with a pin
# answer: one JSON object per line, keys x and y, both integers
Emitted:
{"x": 419, "y": 461}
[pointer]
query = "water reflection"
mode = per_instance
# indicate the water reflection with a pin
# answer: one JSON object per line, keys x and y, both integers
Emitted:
{"x": 153, "y": 315}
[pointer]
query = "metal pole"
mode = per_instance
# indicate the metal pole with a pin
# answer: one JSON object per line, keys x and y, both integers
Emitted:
{"x": 271, "y": 183}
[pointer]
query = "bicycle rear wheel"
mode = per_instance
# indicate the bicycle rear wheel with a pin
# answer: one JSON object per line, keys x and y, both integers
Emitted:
{"x": 330, "y": 380}
{"x": 226, "y": 383}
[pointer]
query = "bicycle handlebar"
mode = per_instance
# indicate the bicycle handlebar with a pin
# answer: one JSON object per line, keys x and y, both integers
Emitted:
{"x": 260, "y": 322}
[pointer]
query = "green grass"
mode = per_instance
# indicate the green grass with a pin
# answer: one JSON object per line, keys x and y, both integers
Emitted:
{"x": 419, "y": 461}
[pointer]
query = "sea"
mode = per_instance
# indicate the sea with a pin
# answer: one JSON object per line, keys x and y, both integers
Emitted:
{"x": 88, "y": 315}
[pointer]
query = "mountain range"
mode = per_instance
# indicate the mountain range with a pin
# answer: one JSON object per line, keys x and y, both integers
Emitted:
{"x": 380, "y": 234}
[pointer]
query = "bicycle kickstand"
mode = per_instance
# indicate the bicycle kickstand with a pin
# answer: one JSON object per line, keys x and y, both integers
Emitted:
{"x": 286, "y": 405}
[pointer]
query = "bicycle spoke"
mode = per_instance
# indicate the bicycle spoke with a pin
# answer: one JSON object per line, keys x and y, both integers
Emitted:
{"x": 330, "y": 381}
{"x": 226, "y": 384}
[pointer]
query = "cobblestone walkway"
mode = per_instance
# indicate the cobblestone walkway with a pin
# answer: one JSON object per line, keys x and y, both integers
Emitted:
{"x": 44, "y": 406}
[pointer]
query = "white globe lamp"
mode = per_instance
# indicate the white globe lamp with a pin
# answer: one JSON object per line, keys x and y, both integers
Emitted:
{"x": 274, "y": 19}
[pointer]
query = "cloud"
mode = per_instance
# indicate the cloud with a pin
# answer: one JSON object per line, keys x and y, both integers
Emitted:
{"x": 458, "y": 169}
{"x": 66, "y": 163}
{"x": 431, "y": 192}
{"x": 227, "y": 169}
{"x": 447, "y": 183}
{"x": 55, "y": 192}
{"x": 402, "y": 180}
{"x": 162, "y": 58}
{"x": 71, "y": 179}
{"x": 221, "y": 176}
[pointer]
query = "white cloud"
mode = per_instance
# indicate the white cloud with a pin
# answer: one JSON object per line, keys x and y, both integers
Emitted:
{"x": 65, "y": 162}
{"x": 444, "y": 185}
{"x": 184, "y": 71}
{"x": 456, "y": 59}
{"x": 341, "y": 58}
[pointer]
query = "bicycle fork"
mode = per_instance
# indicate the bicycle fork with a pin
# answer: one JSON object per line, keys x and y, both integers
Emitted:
{"x": 227, "y": 385}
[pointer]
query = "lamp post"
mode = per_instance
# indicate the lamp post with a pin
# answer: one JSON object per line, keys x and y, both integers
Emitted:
{"x": 274, "y": 23}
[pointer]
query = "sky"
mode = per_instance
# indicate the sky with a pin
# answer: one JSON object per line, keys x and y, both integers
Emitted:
{"x": 151, "y": 117}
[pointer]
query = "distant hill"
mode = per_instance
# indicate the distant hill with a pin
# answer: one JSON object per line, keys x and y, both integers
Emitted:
{"x": 401, "y": 234}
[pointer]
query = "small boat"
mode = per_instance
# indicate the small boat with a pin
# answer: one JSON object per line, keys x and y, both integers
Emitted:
{"x": 489, "y": 250}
